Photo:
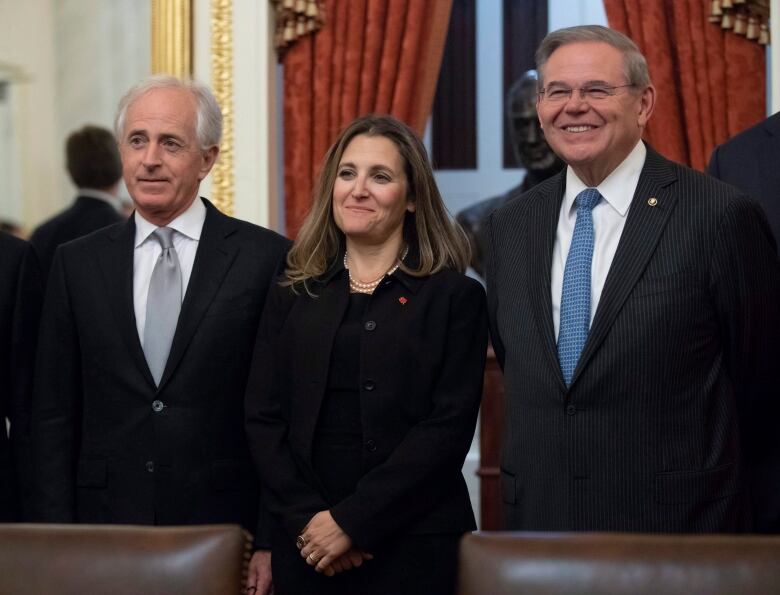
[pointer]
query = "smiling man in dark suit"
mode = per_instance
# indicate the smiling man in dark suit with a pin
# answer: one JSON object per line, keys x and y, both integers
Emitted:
{"x": 146, "y": 339}
{"x": 635, "y": 308}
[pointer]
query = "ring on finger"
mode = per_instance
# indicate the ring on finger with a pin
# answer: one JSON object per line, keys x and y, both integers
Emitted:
{"x": 313, "y": 558}
{"x": 300, "y": 542}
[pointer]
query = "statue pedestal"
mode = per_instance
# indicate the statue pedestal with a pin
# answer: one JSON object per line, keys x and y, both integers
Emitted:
{"x": 490, "y": 428}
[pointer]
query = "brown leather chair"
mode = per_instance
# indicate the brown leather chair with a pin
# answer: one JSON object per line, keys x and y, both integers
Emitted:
{"x": 123, "y": 560}
{"x": 618, "y": 564}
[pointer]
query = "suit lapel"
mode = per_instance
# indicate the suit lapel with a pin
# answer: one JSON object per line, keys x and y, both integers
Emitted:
{"x": 544, "y": 228}
{"x": 643, "y": 229}
{"x": 213, "y": 259}
{"x": 116, "y": 265}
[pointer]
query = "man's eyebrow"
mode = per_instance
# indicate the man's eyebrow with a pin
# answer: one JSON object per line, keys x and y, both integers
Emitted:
{"x": 136, "y": 132}
{"x": 585, "y": 84}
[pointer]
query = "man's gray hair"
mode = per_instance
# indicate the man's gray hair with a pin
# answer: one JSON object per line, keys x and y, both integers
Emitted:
{"x": 634, "y": 63}
{"x": 209, "y": 124}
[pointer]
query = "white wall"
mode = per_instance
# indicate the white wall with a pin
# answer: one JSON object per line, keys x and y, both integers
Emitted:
{"x": 570, "y": 13}
{"x": 27, "y": 61}
{"x": 69, "y": 62}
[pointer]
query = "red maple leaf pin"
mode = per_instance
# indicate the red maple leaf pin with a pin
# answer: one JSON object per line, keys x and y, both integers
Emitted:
{"x": 402, "y": 300}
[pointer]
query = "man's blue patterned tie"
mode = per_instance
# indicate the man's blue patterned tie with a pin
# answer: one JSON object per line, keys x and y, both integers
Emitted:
{"x": 575, "y": 297}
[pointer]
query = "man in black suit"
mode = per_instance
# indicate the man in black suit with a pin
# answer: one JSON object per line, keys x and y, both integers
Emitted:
{"x": 750, "y": 161}
{"x": 635, "y": 308}
{"x": 20, "y": 307}
{"x": 92, "y": 159}
{"x": 146, "y": 338}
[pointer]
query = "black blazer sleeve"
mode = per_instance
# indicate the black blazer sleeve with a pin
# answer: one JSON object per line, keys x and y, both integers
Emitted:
{"x": 22, "y": 314}
{"x": 407, "y": 485}
{"x": 285, "y": 489}
{"x": 56, "y": 400}
{"x": 745, "y": 280}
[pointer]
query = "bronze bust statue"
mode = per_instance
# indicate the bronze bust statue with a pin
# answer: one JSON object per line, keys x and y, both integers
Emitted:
{"x": 531, "y": 151}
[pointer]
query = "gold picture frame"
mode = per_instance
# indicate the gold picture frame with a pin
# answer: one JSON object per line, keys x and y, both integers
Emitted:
{"x": 172, "y": 53}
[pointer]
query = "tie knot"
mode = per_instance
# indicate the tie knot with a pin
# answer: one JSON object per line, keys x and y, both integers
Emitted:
{"x": 587, "y": 199}
{"x": 164, "y": 235}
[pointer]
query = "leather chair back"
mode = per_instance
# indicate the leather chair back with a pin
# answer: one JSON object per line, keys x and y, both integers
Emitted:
{"x": 122, "y": 560}
{"x": 618, "y": 564}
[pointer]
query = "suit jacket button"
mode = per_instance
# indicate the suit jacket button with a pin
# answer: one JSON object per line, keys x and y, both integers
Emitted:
{"x": 571, "y": 410}
{"x": 370, "y": 446}
{"x": 157, "y": 406}
{"x": 368, "y": 385}
{"x": 370, "y": 325}
{"x": 150, "y": 466}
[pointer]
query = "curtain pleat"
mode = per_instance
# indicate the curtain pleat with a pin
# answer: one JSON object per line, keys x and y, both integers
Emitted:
{"x": 371, "y": 56}
{"x": 710, "y": 83}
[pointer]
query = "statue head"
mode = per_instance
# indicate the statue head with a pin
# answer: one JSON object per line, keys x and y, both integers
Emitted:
{"x": 530, "y": 147}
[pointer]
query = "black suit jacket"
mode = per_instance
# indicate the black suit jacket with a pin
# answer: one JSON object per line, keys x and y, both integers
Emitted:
{"x": 20, "y": 306}
{"x": 104, "y": 453}
{"x": 422, "y": 359}
{"x": 750, "y": 161}
{"x": 85, "y": 215}
{"x": 670, "y": 420}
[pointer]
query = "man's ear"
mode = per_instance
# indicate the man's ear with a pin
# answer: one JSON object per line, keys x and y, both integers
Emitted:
{"x": 538, "y": 117}
{"x": 209, "y": 159}
{"x": 646, "y": 106}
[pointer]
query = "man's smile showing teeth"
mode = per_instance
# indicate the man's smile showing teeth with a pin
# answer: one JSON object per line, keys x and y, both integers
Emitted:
{"x": 578, "y": 128}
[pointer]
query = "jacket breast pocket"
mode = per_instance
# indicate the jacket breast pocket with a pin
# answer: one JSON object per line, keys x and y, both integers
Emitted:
{"x": 677, "y": 281}
{"x": 229, "y": 305}
{"x": 92, "y": 473}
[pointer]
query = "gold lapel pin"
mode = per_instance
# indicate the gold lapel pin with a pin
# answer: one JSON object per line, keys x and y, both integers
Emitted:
{"x": 652, "y": 201}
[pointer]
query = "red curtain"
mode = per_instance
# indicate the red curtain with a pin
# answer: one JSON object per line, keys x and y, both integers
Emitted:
{"x": 711, "y": 83}
{"x": 380, "y": 56}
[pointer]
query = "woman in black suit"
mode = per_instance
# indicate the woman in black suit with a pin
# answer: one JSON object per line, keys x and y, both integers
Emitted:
{"x": 367, "y": 377}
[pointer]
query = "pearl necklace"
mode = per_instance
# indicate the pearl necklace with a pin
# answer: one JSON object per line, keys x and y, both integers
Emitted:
{"x": 356, "y": 286}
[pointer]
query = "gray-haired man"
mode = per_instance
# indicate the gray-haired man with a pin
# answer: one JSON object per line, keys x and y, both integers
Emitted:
{"x": 146, "y": 339}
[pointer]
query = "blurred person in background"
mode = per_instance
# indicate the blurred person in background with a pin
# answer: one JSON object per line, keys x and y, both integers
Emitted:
{"x": 92, "y": 160}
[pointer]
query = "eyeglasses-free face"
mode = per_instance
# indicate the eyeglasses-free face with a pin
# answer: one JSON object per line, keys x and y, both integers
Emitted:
{"x": 594, "y": 129}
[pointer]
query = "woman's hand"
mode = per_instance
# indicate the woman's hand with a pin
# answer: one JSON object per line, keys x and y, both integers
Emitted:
{"x": 352, "y": 559}
{"x": 323, "y": 541}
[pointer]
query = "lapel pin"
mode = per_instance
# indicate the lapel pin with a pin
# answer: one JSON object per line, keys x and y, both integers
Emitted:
{"x": 652, "y": 201}
{"x": 402, "y": 300}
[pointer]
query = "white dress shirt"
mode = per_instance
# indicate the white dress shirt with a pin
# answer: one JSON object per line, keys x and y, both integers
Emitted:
{"x": 609, "y": 219}
{"x": 188, "y": 227}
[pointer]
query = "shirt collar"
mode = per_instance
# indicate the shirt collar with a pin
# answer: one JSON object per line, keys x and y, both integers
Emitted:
{"x": 189, "y": 223}
{"x": 613, "y": 188}
{"x": 100, "y": 195}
